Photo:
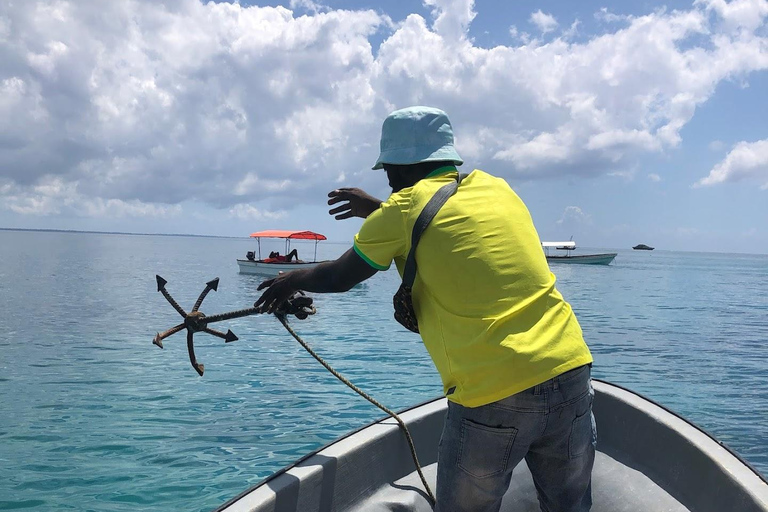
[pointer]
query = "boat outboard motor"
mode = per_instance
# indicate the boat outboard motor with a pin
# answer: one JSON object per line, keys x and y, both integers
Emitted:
{"x": 251, "y": 255}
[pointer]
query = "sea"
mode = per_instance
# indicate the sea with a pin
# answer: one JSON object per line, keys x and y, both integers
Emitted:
{"x": 94, "y": 417}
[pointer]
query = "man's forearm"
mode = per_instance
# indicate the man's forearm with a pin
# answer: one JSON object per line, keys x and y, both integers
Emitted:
{"x": 333, "y": 276}
{"x": 324, "y": 278}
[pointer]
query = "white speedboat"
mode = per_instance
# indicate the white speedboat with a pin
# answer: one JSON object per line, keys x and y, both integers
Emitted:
{"x": 648, "y": 460}
{"x": 274, "y": 265}
{"x": 585, "y": 259}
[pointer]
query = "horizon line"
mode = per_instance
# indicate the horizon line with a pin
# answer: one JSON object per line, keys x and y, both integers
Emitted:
{"x": 52, "y": 230}
{"x": 95, "y": 232}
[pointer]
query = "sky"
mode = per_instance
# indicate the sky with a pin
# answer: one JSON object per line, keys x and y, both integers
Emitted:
{"x": 617, "y": 123}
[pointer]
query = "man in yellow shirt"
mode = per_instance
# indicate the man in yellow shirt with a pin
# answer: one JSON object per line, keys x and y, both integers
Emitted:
{"x": 509, "y": 350}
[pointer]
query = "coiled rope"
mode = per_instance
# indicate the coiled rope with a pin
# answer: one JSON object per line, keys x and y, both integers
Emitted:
{"x": 283, "y": 320}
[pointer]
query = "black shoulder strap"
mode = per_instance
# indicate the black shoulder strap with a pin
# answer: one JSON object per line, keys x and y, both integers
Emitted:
{"x": 422, "y": 221}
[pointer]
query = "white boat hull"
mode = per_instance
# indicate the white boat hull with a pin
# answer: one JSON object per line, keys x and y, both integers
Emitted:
{"x": 648, "y": 460}
{"x": 585, "y": 259}
{"x": 272, "y": 269}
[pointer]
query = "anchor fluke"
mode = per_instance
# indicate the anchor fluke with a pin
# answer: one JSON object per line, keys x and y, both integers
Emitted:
{"x": 160, "y": 283}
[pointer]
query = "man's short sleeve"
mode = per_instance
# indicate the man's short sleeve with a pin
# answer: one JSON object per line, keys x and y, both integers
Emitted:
{"x": 382, "y": 236}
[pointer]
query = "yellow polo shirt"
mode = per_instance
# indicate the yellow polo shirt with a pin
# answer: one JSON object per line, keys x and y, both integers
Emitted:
{"x": 488, "y": 310}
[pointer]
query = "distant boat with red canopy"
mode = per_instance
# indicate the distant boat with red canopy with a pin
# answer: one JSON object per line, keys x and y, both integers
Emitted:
{"x": 276, "y": 263}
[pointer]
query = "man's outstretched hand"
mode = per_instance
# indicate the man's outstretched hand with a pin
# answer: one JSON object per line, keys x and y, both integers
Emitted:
{"x": 358, "y": 203}
{"x": 279, "y": 289}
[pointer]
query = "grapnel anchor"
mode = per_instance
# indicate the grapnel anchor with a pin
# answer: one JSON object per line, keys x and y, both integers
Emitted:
{"x": 299, "y": 306}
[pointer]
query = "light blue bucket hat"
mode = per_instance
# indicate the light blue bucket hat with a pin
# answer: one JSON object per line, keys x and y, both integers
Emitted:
{"x": 417, "y": 134}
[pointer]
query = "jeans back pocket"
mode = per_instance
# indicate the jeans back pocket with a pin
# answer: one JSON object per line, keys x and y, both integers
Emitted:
{"x": 583, "y": 435}
{"x": 484, "y": 451}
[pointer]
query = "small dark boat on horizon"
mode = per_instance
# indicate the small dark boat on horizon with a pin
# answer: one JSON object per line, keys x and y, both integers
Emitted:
{"x": 643, "y": 247}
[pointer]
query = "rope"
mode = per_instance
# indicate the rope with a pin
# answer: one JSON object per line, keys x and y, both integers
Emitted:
{"x": 282, "y": 317}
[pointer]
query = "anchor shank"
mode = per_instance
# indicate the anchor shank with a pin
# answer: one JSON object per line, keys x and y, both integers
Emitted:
{"x": 232, "y": 314}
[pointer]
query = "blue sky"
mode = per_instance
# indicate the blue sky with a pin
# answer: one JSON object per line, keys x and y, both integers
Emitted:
{"x": 617, "y": 123}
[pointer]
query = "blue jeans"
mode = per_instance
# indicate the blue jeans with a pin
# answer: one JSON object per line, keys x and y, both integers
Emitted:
{"x": 550, "y": 425}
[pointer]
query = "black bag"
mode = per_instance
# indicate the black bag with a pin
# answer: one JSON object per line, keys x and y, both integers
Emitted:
{"x": 404, "y": 313}
{"x": 403, "y": 300}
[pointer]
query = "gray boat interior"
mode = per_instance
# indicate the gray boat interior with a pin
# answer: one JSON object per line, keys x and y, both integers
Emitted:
{"x": 648, "y": 459}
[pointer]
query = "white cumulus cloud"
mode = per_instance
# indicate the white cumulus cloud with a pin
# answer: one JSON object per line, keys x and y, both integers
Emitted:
{"x": 451, "y": 17}
{"x": 738, "y": 15}
{"x": 249, "y": 212}
{"x": 141, "y": 105}
{"x": 747, "y": 160}
{"x": 544, "y": 22}
{"x": 605, "y": 15}
{"x": 574, "y": 214}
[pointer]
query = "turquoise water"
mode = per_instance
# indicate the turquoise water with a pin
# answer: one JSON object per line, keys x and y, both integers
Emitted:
{"x": 95, "y": 417}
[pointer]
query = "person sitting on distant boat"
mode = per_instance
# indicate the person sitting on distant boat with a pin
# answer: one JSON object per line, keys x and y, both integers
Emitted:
{"x": 276, "y": 256}
{"x": 509, "y": 349}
